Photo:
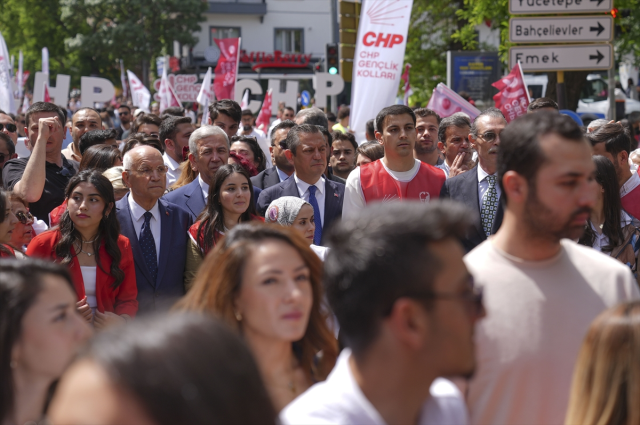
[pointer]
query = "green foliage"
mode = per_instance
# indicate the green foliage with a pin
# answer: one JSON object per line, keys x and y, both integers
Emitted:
{"x": 476, "y": 12}
{"x": 627, "y": 42}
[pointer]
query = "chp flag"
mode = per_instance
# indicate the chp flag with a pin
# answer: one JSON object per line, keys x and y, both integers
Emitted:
{"x": 226, "y": 71}
{"x": 445, "y": 102}
{"x": 139, "y": 93}
{"x": 513, "y": 96}
{"x": 264, "y": 117}
{"x": 380, "y": 47}
{"x": 204, "y": 97}
{"x": 168, "y": 97}
{"x": 7, "y": 102}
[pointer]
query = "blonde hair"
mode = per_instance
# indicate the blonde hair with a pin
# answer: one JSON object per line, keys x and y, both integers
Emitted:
{"x": 606, "y": 380}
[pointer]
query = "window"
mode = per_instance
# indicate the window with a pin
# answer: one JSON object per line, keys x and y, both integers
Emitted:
{"x": 223, "y": 32}
{"x": 289, "y": 40}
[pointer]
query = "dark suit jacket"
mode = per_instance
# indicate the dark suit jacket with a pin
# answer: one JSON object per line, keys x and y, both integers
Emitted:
{"x": 335, "y": 178}
{"x": 266, "y": 178}
{"x": 464, "y": 188}
{"x": 333, "y": 198}
{"x": 169, "y": 286}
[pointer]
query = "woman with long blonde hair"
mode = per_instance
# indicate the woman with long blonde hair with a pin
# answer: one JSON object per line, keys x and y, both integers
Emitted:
{"x": 266, "y": 282}
{"x": 606, "y": 380}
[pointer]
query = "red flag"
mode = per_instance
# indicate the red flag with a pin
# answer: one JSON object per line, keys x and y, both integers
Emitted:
{"x": 224, "y": 82}
{"x": 265, "y": 113}
{"x": 407, "y": 86}
{"x": 47, "y": 98}
{"x": 513, "y": 97}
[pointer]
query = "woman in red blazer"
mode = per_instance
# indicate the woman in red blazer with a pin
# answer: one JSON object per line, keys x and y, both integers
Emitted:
{"x": 88, "y": 241}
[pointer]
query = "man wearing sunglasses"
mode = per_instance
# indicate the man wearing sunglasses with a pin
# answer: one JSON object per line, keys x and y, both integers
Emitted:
{"x": 8, "y": 126}
{"x": 407, "y": 309}
{"x": 478, "y": 189}
{"x": 124, "y": 113}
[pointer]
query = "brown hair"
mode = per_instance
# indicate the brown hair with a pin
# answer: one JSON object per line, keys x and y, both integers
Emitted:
{"x": 187, "y": 175}
{"x": 219, "y": 280}
{"x": 606, "y": 379}
{"x": 372, "y": 150}
{"x": 145, "y": 119}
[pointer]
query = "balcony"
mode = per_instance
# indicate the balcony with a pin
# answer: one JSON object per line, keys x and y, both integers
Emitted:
{"x": 240, "y": 7}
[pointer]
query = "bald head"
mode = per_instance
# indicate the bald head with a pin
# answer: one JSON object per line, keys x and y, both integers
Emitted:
{"x": 145, "y": 174}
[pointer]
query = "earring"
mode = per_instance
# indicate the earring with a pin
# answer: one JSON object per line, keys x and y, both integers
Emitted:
{"x": 238, "y": 316}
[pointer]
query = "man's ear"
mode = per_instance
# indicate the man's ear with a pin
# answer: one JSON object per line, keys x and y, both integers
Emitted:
{"x": 192, "y": 161}
{"x": 441, "y": 147}
{"x": 378, "y": 137}
{"x": 289, "y": 155}
{"x": 125, "y": 178}
{"x": 472, "y": 141}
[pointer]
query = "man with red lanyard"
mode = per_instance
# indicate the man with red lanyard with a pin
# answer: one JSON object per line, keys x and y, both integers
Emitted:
{"x": 397, "y": 175}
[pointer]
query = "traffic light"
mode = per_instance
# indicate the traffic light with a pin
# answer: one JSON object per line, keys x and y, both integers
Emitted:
{"x": 349, "y": 21}
{"x": 333, "y": 58}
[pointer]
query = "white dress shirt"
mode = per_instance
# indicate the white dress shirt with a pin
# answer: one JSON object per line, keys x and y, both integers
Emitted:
{"x": 281, "y": 174}
{"x": 205, "y": 188}
{"x": 483, "y": 185}
{"x": 173, "y": 171}
{"x": 303, "y": 191}
{"x": 137, "y": 216}
{"x": 445, "y": 167}
{"x": 339, "y": 400}
{"x": 629, "y": 185}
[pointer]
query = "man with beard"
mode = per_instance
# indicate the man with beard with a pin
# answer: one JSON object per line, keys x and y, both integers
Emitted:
{"x": 397, "y": 175}
{"x": 282, "y": 168}
{"x": 613, "y": 141}
{"x": 124, "y": 113}
{"x": 542, "y": 289}
{"x": 343, "y": 154}
{"x": 427, "y": 122}
{"x": 478, "y": 189}
{"x": 453, "y": 142}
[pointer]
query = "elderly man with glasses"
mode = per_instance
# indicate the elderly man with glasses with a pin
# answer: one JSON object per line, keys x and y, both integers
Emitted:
{"x": 156, "y": 228}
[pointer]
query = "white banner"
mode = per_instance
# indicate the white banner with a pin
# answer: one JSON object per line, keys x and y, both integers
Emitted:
{"x": 7, "y": 102}
{"x": 204, "y": 97}
{"x": 139, "y": 93}
{"x": 45, "y": 61}
{"x": 377, "y": 65}
{"x": 20, "y": 75}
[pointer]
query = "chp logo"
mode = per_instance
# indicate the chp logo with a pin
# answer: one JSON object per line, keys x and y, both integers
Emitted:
{"x": 385, "y": 13}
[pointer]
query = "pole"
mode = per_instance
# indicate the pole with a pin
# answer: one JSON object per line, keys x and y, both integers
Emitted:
{"x": 612, "y": 93}
{"x": 562, "y": 91}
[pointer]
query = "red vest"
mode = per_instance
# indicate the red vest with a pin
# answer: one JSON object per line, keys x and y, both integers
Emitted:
{"x": 378, "y": 185}
{"x": 631, "y": 202}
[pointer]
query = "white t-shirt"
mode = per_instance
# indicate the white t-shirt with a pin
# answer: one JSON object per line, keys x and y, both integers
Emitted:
{"x": 339, "y": 400}
{"x": 537, "y": 316}
{"x": 321, "y": 251}
{"x": 89, "y": 280}
{"x": 354, "y": 196}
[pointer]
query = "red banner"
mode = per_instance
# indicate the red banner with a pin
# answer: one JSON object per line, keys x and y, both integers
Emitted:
{"x": 262, "y": 122}
{"x": 224, "y": 82}
{"x": 513, "y": 98}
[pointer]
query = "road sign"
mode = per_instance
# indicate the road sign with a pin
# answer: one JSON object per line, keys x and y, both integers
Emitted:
{"x": 575, "y": 29}
{"x": 572, "y": 57}
{"x": 535, "y": 7}
{"x": 305, "y": 98}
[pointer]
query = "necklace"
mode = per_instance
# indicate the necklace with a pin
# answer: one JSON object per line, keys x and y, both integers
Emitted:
{"x": 90, "y": 241}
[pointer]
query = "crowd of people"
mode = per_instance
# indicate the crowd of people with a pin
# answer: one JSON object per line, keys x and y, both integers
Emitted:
{"x": 445, "y": 270}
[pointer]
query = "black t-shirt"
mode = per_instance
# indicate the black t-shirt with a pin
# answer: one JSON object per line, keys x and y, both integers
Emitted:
{"x": 56, "y": 179}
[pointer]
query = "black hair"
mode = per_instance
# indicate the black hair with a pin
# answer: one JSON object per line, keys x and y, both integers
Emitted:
{"x": 174, "y": 111}
{"x": 212, "y": 218}
{"x": 100, "y": 158}
{"x": 125, "y": 106}
{"x": 108, "y": 231}
{"x": 145, "y": 119}
{"x": 371, "y": 130}
{"x": 247, "y": 112}
{"x": 282, "y": 124}
{"x": 372, "y": 150}
{"x": 612, "y": 228}
{"x": 185, "y": 369}
{"x": 10, "y": 146}
{"x": 393, "y": 110}
{"x": 424, "y": 112}
{"x": 344, "y": 112}
{"x": 95, "y": 137}
{"x": 345, "y": 137}
{"x": 382, "y": 255}
{"x": 542, "y": 102}
{"x": 225, "y": 106}
{"x": 258, "y": 154}
{"x": 459, "y": 120}
{"x": 169, "y": 126}
{"x": 520, "y": 149}
{"x": 293, "y": 138}
{"x": 489, "y": 112}
{"x": 313, "y": 116}
{"x": 38, "y": 107}
{"x": 615, "y": 137}
{"x": 331, "y": 117}
{"x": 20, "y": 284}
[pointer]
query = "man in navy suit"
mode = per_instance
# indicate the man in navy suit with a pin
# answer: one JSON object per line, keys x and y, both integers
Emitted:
{"x": 282, "y": 169}
{"x": 307, "y": 150}
{"x": 157, "y": 230}
{"x": 208, "y": 151}
{"x": 478, "y": 188}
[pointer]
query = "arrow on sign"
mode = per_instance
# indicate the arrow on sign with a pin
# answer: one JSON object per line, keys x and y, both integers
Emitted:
{"x": 599, "y": 56}
{"x": 599, "y": 28}
{"x": 599, "y": 2}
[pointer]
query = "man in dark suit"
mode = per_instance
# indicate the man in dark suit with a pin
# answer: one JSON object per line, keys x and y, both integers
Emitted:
{"x": 282, "y": 169}
{"x": 478, "y": 188}
{"x": 306, "y": 149}
{"x": 157, "y": 230}
{"x": 208, "y": 151}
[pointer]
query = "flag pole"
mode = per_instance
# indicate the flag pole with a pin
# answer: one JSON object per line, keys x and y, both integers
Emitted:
{"x": 525, "y": 84}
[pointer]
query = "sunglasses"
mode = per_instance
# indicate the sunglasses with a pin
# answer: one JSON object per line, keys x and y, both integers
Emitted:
{"x": 11, "y": 128}
{"x": 24, "y": 218}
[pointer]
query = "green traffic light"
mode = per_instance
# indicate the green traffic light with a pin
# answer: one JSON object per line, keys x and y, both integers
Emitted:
{"x": 333, "y": 70}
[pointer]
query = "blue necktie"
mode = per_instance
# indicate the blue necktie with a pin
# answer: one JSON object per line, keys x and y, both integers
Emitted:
{"x": 148, "y": 246}
{"x": 317, "y": 236}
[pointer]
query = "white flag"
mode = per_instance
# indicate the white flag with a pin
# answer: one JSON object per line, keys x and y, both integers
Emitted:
{"x": 20, "y": 76}
{"x": 205, "y": 96}
{"x": 245, "y": 100}
{"x": 25, "y": 105}
{"x": 7, "y": 102}
{"x": 45, "y": 62}
{"x": 163, "y": 92}
{"x": 139, "y": 93}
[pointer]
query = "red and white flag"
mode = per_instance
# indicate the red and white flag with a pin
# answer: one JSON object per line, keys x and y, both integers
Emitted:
{"x": 204, "y": 97}
{"x": 25, "y": 104}
{"x": 407, "y": 86}
{"x": 47, "y": 98}
{"x": 7, "y": 102}
{"x": 513, "y": 98}
{"x": 445, "y": 102}
{"x": 168, "y": 96}
{"x": 245, "y": 100}
{"x": 226, "y": 71}
{"x": 264, "y": 118}
{"x": 139, "y": 93}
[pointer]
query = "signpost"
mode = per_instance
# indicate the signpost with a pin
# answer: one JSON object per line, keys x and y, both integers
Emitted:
{"x": 572, "y": 29}
{"x": 571, "y": 57}
{"x": 538, "y": 7}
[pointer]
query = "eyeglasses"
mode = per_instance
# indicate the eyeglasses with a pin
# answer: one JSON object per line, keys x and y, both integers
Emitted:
{"x": 489, "y": 136}
{"x": 24, "y": 218}
{"x": 148, "y": 172}
{"x": 11, "y": 128}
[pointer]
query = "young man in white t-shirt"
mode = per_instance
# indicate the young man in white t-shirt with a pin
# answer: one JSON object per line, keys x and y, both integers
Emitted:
{"x": 407, "y": 308}
{"x": 542, "y": 290}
